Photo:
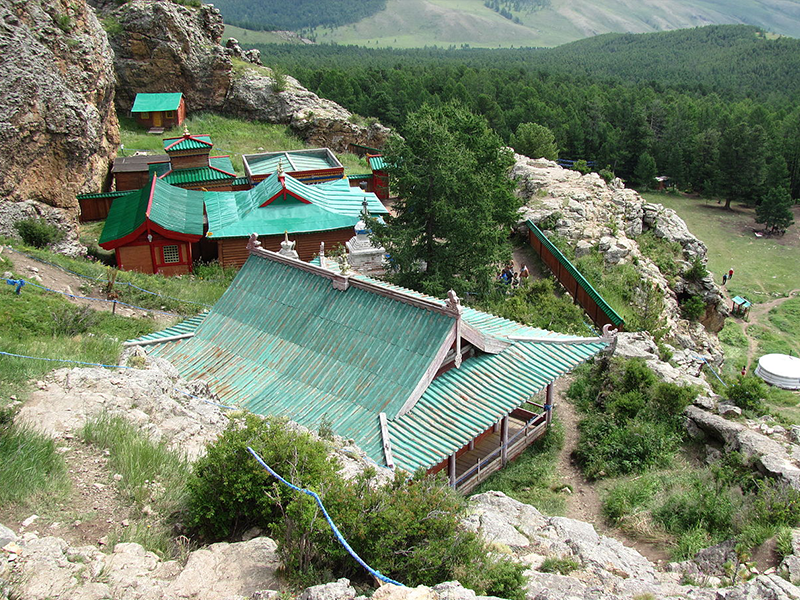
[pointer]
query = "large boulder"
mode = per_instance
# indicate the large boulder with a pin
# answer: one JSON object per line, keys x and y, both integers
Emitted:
{"x": 167, "y": 47}
{"x": 58, "y": 127}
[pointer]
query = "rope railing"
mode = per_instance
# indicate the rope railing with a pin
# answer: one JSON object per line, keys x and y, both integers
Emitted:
{"x": 333, "y": 527}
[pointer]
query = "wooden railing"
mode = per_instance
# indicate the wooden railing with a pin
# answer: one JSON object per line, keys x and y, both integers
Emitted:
{"x": 533, "y": 429}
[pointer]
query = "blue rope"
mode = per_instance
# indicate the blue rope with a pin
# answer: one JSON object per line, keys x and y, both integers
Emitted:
{"x": 710, "y": 368}
{"x": 100, "y": 279}
{"x": 335, "y": 530}
{"x": 77, "y": 362}
{"x": 100, "y": 300}
{"x": 17, "y": 282}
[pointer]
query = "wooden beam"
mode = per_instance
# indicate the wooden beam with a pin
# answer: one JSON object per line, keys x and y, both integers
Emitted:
{"x": 451, "y": 469}
{"x": 548, "y": 404}
{"x": 504, "y": 440}
{"x": 387, "y": 442}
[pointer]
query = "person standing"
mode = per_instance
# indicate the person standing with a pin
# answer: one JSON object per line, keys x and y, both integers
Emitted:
{"x": 730, "y": 274}
{"x": 724, "y": 278}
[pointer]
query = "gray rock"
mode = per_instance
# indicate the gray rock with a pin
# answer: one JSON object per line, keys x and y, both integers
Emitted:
{"x": 57, "y": 117}
{"x": 763, "y": 587}
{"x": 6, "y": 536}
{"x": 338, "y": 590}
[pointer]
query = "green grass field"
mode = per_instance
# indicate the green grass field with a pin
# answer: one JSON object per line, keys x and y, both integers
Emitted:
{"x": 765, "y": 271}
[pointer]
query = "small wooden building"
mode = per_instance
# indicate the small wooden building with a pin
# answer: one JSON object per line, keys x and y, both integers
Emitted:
{"x": 316, "y": 165}
{"x": 159, "y": 111}
{"x": 380, "y": 177}
{"x": 152, "y": 229}
{"x": 326, "y": 212}
{"x": 188, "y": 164}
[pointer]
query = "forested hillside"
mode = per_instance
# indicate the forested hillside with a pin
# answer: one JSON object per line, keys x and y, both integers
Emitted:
{"x": 296, "y": 14}
{"x": 721, "y": 130}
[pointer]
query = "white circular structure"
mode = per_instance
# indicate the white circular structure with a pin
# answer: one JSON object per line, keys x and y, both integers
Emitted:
{"x": 780, "y": 370}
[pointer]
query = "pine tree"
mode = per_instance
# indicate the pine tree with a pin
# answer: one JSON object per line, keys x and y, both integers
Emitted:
{"x": 456, "y": 203}
{"x": 775, "y": 210}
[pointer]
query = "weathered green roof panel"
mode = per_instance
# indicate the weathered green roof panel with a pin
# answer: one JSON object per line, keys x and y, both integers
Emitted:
{"x": 328, "y": 206}
{"x": 284, "y": 341}
{"x": 315, "y": 159}
{"x": 126, "y": 214}
{"x": 377, "y": 163}
{"x": 177, "y": 209}
{"x": 188, "y": 142}
{"x": 220, "y": 169}
{"x": 156, "y": 102}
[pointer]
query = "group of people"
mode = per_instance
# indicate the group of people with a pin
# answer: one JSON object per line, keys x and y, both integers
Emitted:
{"x": 726, "y": 277}
{"x": 511, "y": 277}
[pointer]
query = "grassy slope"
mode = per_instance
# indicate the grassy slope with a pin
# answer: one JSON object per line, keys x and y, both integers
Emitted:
{"x": 232, "y": 137}
{"x": 764, "y": 269}
{"x": 417, "y": 23}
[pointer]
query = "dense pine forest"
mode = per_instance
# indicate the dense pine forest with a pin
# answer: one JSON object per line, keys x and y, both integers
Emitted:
{"x": 713, "y": 108}
{"x": 296, "y": 14}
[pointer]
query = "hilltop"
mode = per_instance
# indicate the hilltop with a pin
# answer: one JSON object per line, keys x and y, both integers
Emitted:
{"x": 507, "y": 23}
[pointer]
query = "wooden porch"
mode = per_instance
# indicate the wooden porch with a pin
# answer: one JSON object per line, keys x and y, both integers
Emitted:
{"x": 488, "y": 454}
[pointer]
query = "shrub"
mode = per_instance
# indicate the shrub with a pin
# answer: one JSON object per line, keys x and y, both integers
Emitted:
{"x": 71, "y": 321}
{"x": 562, "y": 566}
{"x": 693, "y": 308}
{"x": 697, "y": 271}
{"x": 38, "y": 232}
{"x": 230, "y": 492}
{"x": 747, "y": 393}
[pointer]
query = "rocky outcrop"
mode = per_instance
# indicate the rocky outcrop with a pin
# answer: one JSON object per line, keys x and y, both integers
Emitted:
{"x": 607, "y": 217}
{"x": 58, "y": 126}
{"x": 768, "y": 448}
{"x": 166, "y": 47}
{"x": 48, "y": 567}
{"x": 254, "y": 94}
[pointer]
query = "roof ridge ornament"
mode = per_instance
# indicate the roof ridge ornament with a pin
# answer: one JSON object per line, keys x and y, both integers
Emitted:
{"x": 452, "y": 304}
{"x": 186, "y": 133}
{"x": 253, "y": 243}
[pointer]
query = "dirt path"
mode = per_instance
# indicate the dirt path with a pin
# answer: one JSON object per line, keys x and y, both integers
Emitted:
{"x": 759, "y": 314}
{"x": 54, "y": 278}
{"x": 584, "y": 503}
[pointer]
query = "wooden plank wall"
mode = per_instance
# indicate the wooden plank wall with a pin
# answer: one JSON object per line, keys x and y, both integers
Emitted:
{"x": 565, "y": 278}
{"x": 94, "y": 209}
{"x": 232, "y": 252}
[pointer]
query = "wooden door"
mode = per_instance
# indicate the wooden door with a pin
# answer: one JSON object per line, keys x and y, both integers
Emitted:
{"x": 157, "y": 119}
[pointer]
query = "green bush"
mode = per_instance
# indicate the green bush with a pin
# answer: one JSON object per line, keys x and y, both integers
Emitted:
{"x": 562, "y": 566}
{"x": 693, "y": 308}
{"x": 747, "y": 393}
{"x": 72, "y": 320}
{"x": 408, "y": 530}
{"x": 38, "y": 232}
{"x": 697, "y": 271}
{"x": 229, "y": 492}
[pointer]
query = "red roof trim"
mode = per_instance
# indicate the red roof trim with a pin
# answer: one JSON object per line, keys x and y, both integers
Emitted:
{"x": 173, "y": 235}
{"x": 281, "y": 193}
{"x": 150, "y": 199}
{"x": 127, "y": 239}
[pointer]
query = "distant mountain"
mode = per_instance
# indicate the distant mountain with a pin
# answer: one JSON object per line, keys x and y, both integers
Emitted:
{"x": 499, "y": 23}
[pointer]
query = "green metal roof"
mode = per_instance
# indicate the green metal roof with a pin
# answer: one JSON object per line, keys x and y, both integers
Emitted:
{"x": 126, "y": 214}
{"x": 612, "y": 315}
{"x": 220, "y": 169}
{"x": 377, "y": 163}
{"x": 190, "y": 325}
{"x": 328, "y": 206}
{"x": 102, "y": 195}
{"x": 282, "y": 340}
{"x": 290, "y": 161}
{"x": 156, "y": 102}
{"x": 187, "y": 142}
{"x": 171, "y": 208}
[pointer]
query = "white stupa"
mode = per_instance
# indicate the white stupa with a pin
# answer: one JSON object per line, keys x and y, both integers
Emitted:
{"x": 780, "y": 370}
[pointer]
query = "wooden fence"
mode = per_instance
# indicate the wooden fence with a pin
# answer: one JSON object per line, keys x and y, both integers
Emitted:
{"x": 598, "y": 310}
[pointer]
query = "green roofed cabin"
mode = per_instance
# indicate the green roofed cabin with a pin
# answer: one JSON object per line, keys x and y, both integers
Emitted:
{"x": 312, "y": 214}
{"x": 152, "y": 230}
{"x": 417, "y": 382}
{"x": 159, "y": 111}
{"x": 188, "y": 164}
{"x": 315, "y": 165}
